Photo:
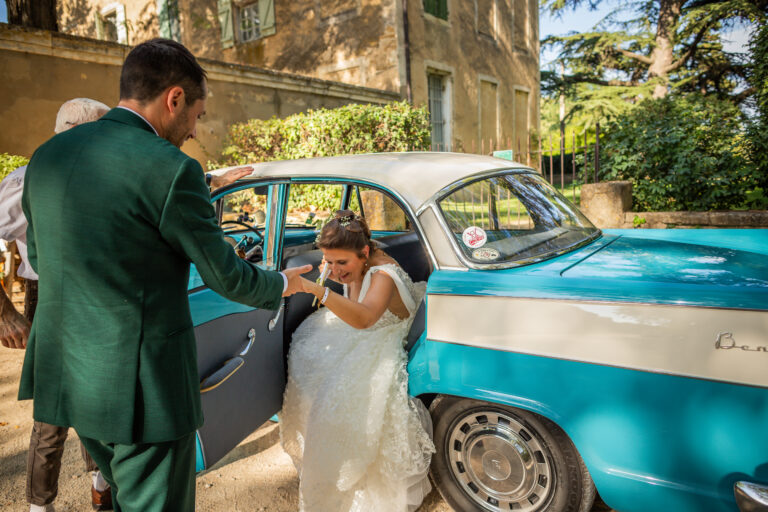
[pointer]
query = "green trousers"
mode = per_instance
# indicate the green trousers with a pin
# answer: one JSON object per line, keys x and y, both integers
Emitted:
{"x": 155, "y": 477}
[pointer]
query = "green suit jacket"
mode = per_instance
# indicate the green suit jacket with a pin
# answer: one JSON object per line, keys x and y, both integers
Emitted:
{"x": 116, "y": 214}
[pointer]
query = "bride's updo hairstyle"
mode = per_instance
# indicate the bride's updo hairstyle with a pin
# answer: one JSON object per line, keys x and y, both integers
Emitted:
{"x": 346, "y": 231}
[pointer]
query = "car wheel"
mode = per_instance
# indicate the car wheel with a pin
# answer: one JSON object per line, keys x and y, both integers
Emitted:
{"x": 492, "y": 458}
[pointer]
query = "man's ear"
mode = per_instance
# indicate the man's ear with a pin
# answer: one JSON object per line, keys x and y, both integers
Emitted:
{"x": 174, "y": 99}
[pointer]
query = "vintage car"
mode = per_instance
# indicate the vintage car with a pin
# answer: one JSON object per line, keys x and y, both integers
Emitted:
{"x": 557, "y": 360}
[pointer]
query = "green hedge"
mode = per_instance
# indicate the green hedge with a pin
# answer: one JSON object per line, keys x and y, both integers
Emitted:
{"x": 328, "y": 132}
{"x": 681, "y": 153}
{"x": 10, "y": 162}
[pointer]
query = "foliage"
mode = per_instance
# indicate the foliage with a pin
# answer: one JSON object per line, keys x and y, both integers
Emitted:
{"x": 680, "y": 153}
{"x": 758, "y": 80}
{"x": 638, "y": 221}
{"x": 10, "y": 162}
{"x": 650, "y": 47}
{"x": 326, "y": 132}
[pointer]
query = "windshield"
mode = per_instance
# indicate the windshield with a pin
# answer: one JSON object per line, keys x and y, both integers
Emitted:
{"x": 513, "y": 217}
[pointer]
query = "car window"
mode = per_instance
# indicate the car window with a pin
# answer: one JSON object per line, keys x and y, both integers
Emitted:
{"x": 513, "y": 217}
{"x": 382, "y": 214}
{"x": 311, "y": 204}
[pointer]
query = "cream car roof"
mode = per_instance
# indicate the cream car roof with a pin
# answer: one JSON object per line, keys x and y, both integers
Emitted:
{"x": 415, "y": 176}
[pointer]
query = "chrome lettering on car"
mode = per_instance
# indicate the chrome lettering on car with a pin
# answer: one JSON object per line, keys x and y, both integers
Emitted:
{"x": 725, "y": 341}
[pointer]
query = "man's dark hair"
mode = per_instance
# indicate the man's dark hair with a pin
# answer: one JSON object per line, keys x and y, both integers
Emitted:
{"x": 158, "y": 64}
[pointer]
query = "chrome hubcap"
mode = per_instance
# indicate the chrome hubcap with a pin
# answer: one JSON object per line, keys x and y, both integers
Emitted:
{"x": 500, "y": 463}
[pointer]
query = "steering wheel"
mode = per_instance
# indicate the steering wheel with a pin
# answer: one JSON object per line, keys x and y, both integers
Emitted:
{"x": 257, "y": 243}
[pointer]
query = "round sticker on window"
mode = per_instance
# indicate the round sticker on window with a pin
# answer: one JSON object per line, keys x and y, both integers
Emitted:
{"x": 474, "y": 237}
{"x": 485, "y": 254}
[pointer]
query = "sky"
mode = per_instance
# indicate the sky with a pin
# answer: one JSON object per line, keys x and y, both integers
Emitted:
{"x": 580, "y": 20}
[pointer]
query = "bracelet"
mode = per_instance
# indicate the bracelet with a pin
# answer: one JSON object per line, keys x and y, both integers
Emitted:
{"x": 325, "y": 295}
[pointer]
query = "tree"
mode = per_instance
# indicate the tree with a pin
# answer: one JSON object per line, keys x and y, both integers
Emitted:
{"x": 33, "y": 13}
{"x": 663, "y": 44}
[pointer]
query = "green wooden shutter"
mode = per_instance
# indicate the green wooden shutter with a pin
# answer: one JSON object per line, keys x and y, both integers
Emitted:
{"x": 442, "y": 9}
{"x": 225, "y": 20}
{"x": 267, "y": 17}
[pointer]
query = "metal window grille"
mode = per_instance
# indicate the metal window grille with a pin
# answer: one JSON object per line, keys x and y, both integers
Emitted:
{"x": 250, "y": 26}
{"x": 437, "y": 120}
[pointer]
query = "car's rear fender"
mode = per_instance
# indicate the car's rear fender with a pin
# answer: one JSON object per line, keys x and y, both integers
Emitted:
{"x": 644, "y": 446}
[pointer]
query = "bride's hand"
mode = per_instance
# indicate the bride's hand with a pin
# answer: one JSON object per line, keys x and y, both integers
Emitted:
{"x": 307, "y": 286}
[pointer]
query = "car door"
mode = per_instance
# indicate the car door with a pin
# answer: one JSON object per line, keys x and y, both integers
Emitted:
{"x": 239, "y": 348}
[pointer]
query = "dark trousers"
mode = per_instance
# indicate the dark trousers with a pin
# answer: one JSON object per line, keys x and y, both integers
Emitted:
{"x": 46, "y": 443}
{"x": 46, "y": 446}
{"x": 149, "y": 477}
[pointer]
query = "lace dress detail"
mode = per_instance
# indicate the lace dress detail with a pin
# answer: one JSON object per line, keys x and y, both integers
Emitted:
{"x": 359, "y": 443}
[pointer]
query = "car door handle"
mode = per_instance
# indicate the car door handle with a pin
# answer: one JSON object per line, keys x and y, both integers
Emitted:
{"x": 273, "y": 322}
{"x": 217, "y": 378}
{"x": 251, "y": 340}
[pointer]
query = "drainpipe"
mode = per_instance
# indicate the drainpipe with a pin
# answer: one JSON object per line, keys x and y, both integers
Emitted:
{"x": 406, "y": 44}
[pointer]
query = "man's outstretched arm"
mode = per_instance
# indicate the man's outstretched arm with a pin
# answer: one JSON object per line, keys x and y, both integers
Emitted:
{"x": 14, "y": 328}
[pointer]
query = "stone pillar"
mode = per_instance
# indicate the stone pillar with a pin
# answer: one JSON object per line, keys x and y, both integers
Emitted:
{"x": 605, "y": 203}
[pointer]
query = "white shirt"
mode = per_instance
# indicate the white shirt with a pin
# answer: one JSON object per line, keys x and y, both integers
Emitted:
{"x": 13, "y": 224}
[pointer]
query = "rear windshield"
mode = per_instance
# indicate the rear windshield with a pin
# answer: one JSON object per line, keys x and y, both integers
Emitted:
{"x": 513, "y": 217}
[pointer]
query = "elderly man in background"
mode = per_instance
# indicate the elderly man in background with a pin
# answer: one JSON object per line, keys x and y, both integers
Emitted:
{"x": 46, "y": 444}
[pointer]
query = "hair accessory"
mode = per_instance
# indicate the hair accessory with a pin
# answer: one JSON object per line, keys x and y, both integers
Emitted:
{"x": 346, "y": 220}
{"x": 325, "y": 295}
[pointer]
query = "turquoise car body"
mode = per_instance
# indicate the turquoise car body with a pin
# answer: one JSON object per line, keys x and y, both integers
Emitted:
{"x": 650, "y": 441}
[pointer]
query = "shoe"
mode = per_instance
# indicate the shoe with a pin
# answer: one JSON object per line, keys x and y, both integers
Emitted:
{"x": 101, "y": 500}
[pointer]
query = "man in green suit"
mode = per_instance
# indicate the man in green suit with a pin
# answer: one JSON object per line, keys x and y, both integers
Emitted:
{"x": 116, "y": 214}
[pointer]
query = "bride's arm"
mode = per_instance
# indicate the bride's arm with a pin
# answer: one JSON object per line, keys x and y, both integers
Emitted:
{"x": 359, "y": 315}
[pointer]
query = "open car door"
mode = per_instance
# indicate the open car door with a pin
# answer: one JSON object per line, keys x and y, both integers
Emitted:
{"x": 239, "y": 348}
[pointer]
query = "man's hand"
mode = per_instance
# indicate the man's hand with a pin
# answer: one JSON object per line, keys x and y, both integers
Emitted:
{"x": 294, "y": 279}
{"x": 230, "y": 176}
{"x": 14, "y": 329}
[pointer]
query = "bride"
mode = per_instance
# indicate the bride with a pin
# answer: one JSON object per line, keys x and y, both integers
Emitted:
{"x": 357, "y": 440}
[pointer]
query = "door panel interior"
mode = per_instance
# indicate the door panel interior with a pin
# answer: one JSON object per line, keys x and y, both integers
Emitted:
{"x": 244, "y": 385}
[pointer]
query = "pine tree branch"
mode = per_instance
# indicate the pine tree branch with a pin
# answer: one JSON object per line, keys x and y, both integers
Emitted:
{"x": 633, "y": 55}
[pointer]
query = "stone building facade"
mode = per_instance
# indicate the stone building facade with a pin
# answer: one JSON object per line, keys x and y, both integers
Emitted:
{"x": 474, "y": 62}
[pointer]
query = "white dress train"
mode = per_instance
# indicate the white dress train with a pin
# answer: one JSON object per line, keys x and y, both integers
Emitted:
{"x": 359, "y": 443}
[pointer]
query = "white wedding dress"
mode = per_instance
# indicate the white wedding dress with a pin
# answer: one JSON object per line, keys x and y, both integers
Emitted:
{"x": 357, "y": 440}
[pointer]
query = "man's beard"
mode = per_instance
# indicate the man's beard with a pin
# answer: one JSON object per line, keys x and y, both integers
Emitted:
{"x": 177, "y": 132}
